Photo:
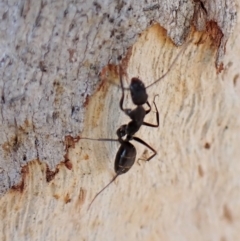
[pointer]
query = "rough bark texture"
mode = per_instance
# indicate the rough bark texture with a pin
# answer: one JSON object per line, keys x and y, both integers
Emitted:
{"x": 54, "y": 56}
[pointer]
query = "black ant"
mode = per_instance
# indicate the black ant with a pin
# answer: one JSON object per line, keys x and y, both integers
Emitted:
{"x": 126, "y": 154}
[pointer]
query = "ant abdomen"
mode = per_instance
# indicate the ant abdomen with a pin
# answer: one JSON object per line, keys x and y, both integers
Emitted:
{"x": 125, "y": 157}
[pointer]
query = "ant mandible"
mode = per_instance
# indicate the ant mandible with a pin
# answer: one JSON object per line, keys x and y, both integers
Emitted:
{"x": 126, "y": 154}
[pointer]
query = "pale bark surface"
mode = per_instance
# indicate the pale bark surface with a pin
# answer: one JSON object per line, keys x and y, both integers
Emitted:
{"x": 52, "y": 55}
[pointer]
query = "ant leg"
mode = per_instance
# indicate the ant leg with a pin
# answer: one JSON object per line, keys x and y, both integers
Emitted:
{"x": 145, "y": 144}
{"x": 157, "y": 116}
{"x": 150, "y": 108}
{"x": 122, "y": 98}
{"x": 126, "y": 111}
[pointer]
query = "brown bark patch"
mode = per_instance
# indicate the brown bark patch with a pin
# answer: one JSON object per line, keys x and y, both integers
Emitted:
{"x": 68, "y": 165}
{"x": 51, "y": 174}
{"x": 20, "y": 187}
{"x": 81, "y": 197}
{"x": 227, "y": 214}
{"x": 207, "y": 145}
{"x": 67, "y": 198}
{"x": 200, "y": 171}
{"x": 215, "y": 33}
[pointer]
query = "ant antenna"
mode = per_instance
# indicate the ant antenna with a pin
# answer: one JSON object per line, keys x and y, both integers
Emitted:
{"x": 171, "y": 65}
{"x": 114, "y": 178}
{"x": 98, "y": 139}
{"x": 163, "y": 76}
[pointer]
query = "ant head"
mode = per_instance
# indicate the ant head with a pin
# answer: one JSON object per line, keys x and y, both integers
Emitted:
{"x": 121, "y": 131}
{"x": 138, "y": 92}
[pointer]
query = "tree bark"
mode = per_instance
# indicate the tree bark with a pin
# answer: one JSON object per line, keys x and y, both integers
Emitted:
{"x": 59, "y": 76}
